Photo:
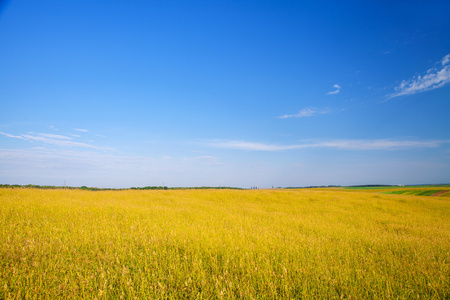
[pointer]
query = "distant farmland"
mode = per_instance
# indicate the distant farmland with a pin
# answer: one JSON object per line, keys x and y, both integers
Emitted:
{"x": 225, "y": 244}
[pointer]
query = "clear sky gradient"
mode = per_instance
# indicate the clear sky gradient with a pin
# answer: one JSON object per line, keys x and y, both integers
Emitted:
{"x": 224, "y": 93}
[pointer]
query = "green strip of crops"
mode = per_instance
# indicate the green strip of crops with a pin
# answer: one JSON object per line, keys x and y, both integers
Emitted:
{"x": 415, "y": 192}
{"x": 382, "y": 187}
{"x": 222, "y": 244}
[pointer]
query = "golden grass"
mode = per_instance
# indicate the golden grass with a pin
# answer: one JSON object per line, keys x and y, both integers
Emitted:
{"x": 223, "y": 244}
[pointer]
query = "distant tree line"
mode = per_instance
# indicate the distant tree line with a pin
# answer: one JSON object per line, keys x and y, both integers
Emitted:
{"x": 150, "y": 188}
{"x": 311, "y": 186}
{"x": 206, "y": 188}
{"x": 372, "y": 185}
{"x": 52, "y": 187}
{"x": 34, "y": 186}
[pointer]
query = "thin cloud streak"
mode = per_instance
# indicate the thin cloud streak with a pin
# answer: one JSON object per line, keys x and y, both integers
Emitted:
{"x": 338, "y": 89}
{"x": 433, "y": 79}
{"x": 55, "y": 136}
{"x": 381, "y": 144}
{"x": 241, "y": 145}
{"x": 307, "y": 112}
{"x": 53, "y": 139}
{"x": 12, "y": 136}
{"x": 445, "y": 60}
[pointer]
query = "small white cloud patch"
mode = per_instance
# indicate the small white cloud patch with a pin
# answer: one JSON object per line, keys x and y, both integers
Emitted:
{"x": 306, "y": 112}
{"x": 338, "y": 89}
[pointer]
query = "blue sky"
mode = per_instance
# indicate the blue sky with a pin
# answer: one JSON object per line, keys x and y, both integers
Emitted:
{"x": 224, "y": 93}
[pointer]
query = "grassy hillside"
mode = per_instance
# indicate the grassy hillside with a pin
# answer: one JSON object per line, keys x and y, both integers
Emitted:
{"x": 214, "y": 244}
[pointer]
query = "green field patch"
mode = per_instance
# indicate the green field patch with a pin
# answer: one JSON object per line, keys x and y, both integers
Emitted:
{"x": 382, "y": 187}
{"x": 432, "y": 190}
{"x": 369, "y": 187}
{"x": 416, "y": 192}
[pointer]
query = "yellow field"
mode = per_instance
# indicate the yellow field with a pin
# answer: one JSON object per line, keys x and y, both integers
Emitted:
{"x": 214, "y": 244}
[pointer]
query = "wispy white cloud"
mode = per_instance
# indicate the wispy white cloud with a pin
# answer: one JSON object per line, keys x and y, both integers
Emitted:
{"x": 12, "y": 136}
{"x": 434, "y": 78}
{"x": 242, "y": 145}
{"x": 53, "y": 139}
{"x": 379, "y": 144}
{"x": 306, "y": 112}
{"x": 59, "y": 142}
{"x": 337, "y": 89}
{"x": 55, "y": 136}
{"x": 445, "y": 60}
{"x": 80, "y": 130}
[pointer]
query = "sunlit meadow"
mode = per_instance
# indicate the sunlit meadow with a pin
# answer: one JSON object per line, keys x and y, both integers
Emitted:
{"x": 223, "y": 244}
